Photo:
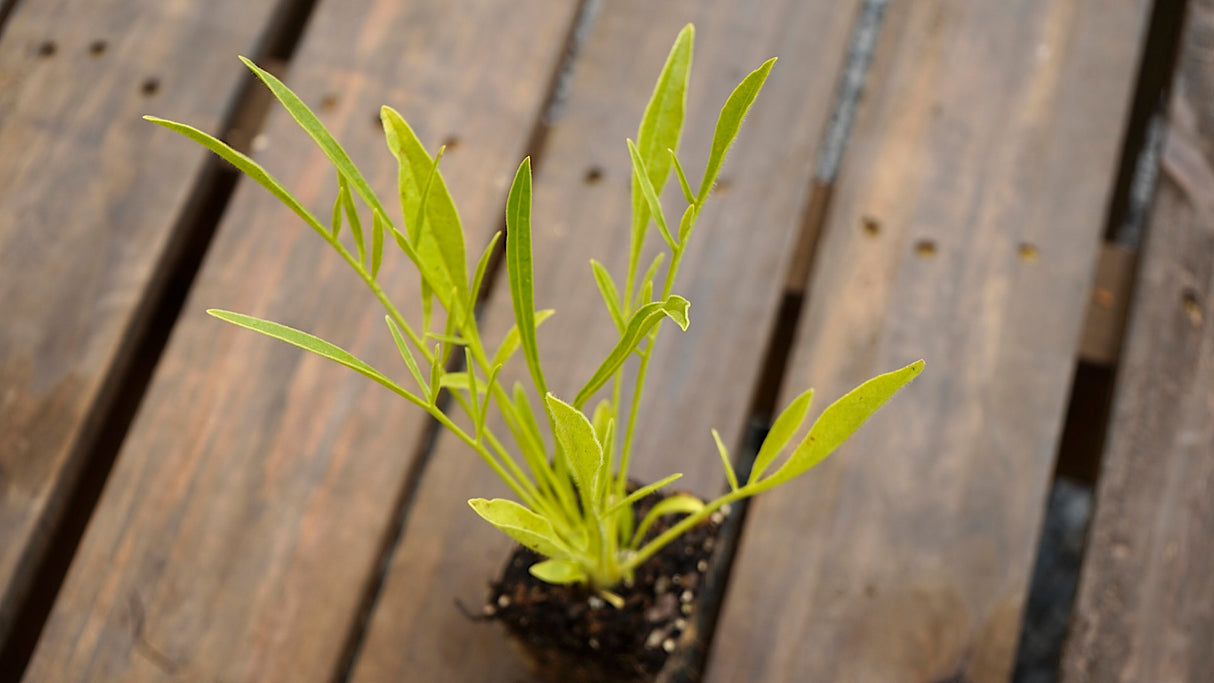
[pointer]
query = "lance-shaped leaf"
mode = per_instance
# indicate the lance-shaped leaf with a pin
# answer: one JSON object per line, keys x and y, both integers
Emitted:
{"x": 439, "y": 239}
{"x": 730, "y": 475}
{"x": 841, "y": 419}
{"x": 675, "y": 308}
{"x": 511, "y": 341}
{"x": 314, "y": 344}
{"x": 520, "y": 270}
{"x": 356, "y": 224}
{"x": 611, "y": 295}
{"x": 521, "y": 524}
{"x": 638, "y": 494}
{"x": 681, "y": 503}
{"x": 729, "y": 122}
{"x": 683, "y": 185}
{"x": 558, "y": 572}
{"x": 641, "y": 176}
{"x": 781, "y": 433}
{"x": 581, "y": 448}
{"x": 247, "y": 166}
{"x": 317, "y": 131}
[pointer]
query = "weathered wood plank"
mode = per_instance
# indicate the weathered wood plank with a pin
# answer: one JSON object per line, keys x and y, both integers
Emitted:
{"x": 246, "y": 511}
{"x": 965, "y": 229}
{"x": 90, "y": 205}
{"x": 1145, "y": 609}
{"x": 733, "y": 276}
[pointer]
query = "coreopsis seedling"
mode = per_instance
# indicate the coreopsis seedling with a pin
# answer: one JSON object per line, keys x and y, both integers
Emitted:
{"x": 573, "y": 505}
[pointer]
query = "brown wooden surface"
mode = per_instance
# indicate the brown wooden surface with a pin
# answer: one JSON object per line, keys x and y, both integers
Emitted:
{"x": 1145, "y": 608}
{"x": 90, "y": 200}
{"x": 732, "y": 274}
{"x": 246, "y": 510}
{"x": 984, "y": 157}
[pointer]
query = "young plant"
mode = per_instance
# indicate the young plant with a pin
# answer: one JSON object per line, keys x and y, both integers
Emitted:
{"x": 573, "y": 504}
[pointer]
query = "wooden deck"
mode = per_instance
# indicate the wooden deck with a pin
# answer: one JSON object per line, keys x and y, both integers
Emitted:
{"x": 947, "y": 179}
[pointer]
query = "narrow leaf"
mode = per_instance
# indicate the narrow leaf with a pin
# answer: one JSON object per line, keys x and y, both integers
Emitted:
{"x": 337, "y": 209}
{"x": 842, "y": 418}
{"x": 484, "y": 411}
{"x": 521, "y": 524}
{"x": 641, "y": 175}
{"x": 481, "y": 266}
{"x": 641, "y": 323}
{"x": 558, "y": 572}
{"x": 436, "y": 373}
{"x": 510, "y": 342}
{"x": 520, "y": 269}
{"x": 787, "y": 424}
{"x": 314, "y": 344}
{"x": 662, "y": 122}
{"x": 407, "y": 355}
{"x": 377, "y": 244}
{"x": 729, "y": 122}
{"x": 601, "y": 420}
{"x": 638, "y": 494}
{"x": 686, "y": 224}
{"x": 356, "y": 225}
{"x": 611, "y": 296}
{"x": 246, "y": 165}
{"x": 316, "y": 130}
{"x": 581, "y": 448}
{"x": 678, "y": 170}
{"x": 725, "y": 462}
{"x": 645, "y": 295}
{"x": 681, "y": 503}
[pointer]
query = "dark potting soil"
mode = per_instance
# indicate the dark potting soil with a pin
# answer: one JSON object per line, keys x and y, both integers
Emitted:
{"x": 571, "y": 634}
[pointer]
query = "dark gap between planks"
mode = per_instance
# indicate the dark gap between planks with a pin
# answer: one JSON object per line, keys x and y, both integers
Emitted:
{"x": 1068, "y": 506}
{"x": 554, "y": 97}
{"x": 762, "y": 409}
{"x": 6, "y": 8}
{"x": 127, "y": 380}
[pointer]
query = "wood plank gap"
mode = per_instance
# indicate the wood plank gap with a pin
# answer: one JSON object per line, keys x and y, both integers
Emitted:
{"x": 6, "y": 8}
{"x": 534, "y": 148}
{"x": 123, "y": 388}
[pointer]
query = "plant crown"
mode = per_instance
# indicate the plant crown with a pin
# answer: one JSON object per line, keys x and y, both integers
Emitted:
{"x": 573, "y": 506}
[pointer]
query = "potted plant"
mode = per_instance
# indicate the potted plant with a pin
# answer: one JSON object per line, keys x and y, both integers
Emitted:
{"x": 603, "y": 582}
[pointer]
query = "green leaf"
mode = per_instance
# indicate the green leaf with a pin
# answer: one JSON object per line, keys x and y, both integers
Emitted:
{"x": 247, "y": 166}
{"x": 725, "y": 462}
{"x": 481, "y": 266}
{"x": 841, "y": 419}
{"x": 529, "y": 424}
{"x": 510, "y": 342}
{"x": 787, "y": 424}
{"x": 377, "y": 244}
{"x": 638, "y": 494}
{"x": 314, "y": 344}
{"x": 407, "y": 355}
{"x": 449, "y": 339}
{"x": 521, "y": 524}
{"x": 641, "y": 177}
{"x": 337, "y": 209}
{"x": 317, "y": 131}
{"x": 644, "y": 295}
{"x": 662, "y": 122}
{"x": 680, "y": 503}
{"x": 675, "y": 308}
{"x": 356, "y": 225}
{"x": 678, "y": 170}
{"x": 611, "y": 295}
{"x": 729, "y": 122}
{"x": 520, "y": 269}
{"x": 559, "y": 572}
{"x": 484, "y": 411}
{"x": 436, "y": 373}
{"x": 581, "y": 448}
{"x": 603, "y": 414}
{"x": 439, "y": 240}
{"x": 686, "y": 224}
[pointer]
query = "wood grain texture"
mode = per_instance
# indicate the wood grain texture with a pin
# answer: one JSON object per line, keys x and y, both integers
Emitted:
{"x": 1145, "y": 608}
{"x": 987, "y": 127}
{"x": 90, "y": 200}
{"x": 732, "y": 274}
{"x": 245, "y": 513}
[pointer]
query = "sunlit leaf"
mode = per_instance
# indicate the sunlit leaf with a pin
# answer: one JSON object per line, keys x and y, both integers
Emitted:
{"x": 641, "y": 323}
{"x": 729, "y": 122}
{"x": 558, "y": 572}
{"x": 581, "y": 448}
{"x": 521, "y": 524}
{"x": 681, "y": 503}
{"x": 520, "y": 269}
{"x": 781, "y": 432}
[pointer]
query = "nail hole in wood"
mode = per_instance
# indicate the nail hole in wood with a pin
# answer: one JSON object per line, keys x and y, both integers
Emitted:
{"x": 451, "y": 142}
{"x": 1028, "y": 253}
{"x": 98, "y": 47}
{"x": 593, "y": 175}
{"x": 1104, "y": 297}
{"x": 150, "y": 86}
{"x": 1192, "y": 307}
{"x": 47, "y": 48}
{"x": 871, "y": 226}
{"x": 328, "y": 102}
{"x": 925, "y": 248}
